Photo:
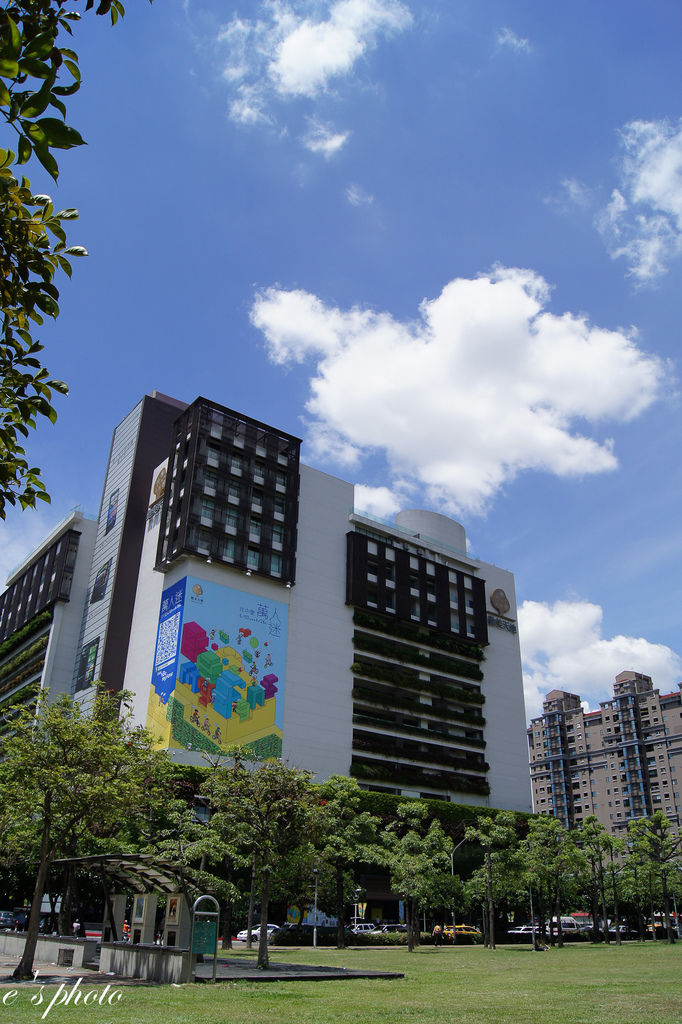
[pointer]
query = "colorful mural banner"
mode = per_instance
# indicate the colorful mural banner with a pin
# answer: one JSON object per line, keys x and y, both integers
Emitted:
{"x": 219, "y": 669}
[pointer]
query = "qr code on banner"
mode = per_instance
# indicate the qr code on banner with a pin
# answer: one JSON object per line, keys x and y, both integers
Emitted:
{"x": 167, "y": 643}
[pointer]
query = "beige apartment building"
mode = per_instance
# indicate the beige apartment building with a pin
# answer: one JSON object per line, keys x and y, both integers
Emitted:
{"x": 621, "y": 762}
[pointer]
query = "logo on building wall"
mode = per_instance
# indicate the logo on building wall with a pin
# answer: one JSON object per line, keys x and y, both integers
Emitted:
{"x": 500, "y": 601}
{"x": 159, "y": 485}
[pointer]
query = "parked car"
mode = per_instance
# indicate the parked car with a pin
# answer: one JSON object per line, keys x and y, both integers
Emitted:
{"x": 462, "y": 929}
{"x": 363, "y": 926}
{"x": 255, "y": 932}
{"x": 524, "y": 929}
{"x": 394, "y": 928}
{"x": 6, "y": 919}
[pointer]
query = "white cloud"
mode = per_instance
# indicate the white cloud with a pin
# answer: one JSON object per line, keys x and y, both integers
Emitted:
{"x": 572, "y": 194}
{"x": 378, "y": 501}
{"x": 483, "y": 385}
{"x": 328, "y": 446}
{"x": 562, "y": 647}
{"x": 643, "y": 220}
{"x": 357, "y": 196}
{"x": 314, "y": 52}
{"x": 510, "y": 40}
{"x": 321, "y": 138}
{"x": 295, "y": 50}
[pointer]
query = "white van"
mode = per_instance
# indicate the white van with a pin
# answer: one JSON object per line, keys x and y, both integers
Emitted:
{"x": 363, "y": 926}
{"x": 568, "y": 924}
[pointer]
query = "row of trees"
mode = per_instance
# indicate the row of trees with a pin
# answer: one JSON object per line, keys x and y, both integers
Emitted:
{"x": 560, "y": 869}
{"x": 74, "y": 783}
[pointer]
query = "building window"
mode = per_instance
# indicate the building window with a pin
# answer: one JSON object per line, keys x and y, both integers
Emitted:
{"x": 253, "y": 559}
{"x": 227, "y": 549}
{"x": 276, "y": 564}
{"x": 254, "y": 530}
{"x": 207, "y": 511}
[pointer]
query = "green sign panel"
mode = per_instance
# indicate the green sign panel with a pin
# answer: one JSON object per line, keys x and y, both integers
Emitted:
{"x": 205, "y": 936}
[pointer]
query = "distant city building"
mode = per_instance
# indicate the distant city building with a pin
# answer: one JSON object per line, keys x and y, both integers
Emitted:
{"x": 621, "y": 762}
{"x": 41, "y": 611}
{"x": 241, "y": 597}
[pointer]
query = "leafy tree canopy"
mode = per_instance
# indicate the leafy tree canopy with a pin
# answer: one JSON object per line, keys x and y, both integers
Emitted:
{"x": 37, "y": 76}
{"x": 67, "y": 774}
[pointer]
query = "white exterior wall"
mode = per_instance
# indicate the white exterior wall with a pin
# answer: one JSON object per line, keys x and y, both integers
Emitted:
{"x": 318, "y": 707}
{"x": 140, "y": 660}
{"x": 505, "y": 732}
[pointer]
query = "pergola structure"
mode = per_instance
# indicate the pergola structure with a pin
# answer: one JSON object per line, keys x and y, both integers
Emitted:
{"x": 138, "y": 872}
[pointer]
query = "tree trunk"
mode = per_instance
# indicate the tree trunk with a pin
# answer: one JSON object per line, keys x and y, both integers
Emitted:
{"x": 666, "y": 907}
{"x": 263, "y": 958}
{"x": 557, "y": 913}
{"x": 252, "y": 903}
{"x": 227, "y": 910}
{"x": 604, "y": 915}
{"x": 24, "y": 968}
{"x": 414, "y": 914}
{"x": 340, "y": 909}
{"x": 491, "y": 905}
{"x": 616, "y": 906}
{"x": 595, "y": 905}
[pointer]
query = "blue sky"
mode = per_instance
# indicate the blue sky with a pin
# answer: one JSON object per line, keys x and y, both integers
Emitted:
{"x": 442, "y": 242}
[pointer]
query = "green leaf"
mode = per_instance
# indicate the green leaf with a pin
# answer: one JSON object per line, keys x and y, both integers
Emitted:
{"x": 65, "y": 265}
{"x": 41, "y": 46}
{"x": 14, "y": 45}
{"x": 58, "y": 134}
{"x": 36, "y": 102}
{"x": 34, "y": 67}
{"x": 58, "y": 105}
{"x": 25, "y": 149}
{"x": 47, "y": 160}
{"x": 66, "y": 90}
{"x": 76, "y": 250}
{"x": 69, "y": 214}
{"x": 74, "y": 69}
{"x": 47, "y": 304}
{"x": 5, "y": 98}
{"x": 9, "y": 68}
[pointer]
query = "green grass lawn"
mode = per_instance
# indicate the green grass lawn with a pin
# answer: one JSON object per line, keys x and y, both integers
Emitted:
{"x": 580, "y": 984}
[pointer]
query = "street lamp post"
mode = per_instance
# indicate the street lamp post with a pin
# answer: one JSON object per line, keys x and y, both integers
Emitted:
{"x": 316, "y": 873}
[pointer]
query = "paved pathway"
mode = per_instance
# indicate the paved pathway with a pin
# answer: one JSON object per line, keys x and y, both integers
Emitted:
{"x": 229, "y": 969}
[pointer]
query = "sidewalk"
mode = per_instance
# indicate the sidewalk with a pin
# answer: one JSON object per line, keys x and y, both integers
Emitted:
{"x": 229, "y": 969}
